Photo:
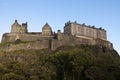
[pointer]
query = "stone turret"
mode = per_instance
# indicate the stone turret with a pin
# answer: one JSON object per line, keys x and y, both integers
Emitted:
{"x": 46, "y": 30}
{"x": 59, "y": 35}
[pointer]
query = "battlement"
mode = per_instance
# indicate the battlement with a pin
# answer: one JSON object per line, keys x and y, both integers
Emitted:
{"x": 84, "y": 25}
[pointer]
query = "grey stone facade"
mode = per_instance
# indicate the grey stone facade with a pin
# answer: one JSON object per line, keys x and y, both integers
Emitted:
{"x": 74, "y": 34}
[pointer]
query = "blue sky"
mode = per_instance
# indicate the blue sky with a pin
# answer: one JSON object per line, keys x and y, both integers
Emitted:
{"x": 101, "y": 13}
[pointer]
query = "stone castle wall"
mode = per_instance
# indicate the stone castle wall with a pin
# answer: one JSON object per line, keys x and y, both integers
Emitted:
{"x": 9, "y": 37}
{"x": 42, "y": 44}
{"x": 55, "y": 43}
{"x": 76, "y": 41}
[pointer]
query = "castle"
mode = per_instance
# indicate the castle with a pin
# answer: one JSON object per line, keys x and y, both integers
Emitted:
{"x": 74, "y": 34}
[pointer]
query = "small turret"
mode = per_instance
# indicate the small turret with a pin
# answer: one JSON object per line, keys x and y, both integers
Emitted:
{"x": 59, "y": 35}
{"x": 59, "y": 31}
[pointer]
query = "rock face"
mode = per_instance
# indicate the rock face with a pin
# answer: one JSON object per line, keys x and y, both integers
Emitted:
{"x": 74, "y": 34}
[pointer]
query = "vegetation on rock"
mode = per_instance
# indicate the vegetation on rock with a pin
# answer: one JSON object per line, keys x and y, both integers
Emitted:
{"x": 66, "y": 63}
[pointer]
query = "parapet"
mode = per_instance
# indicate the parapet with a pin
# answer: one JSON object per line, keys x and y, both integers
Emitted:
{"x": 84, "y": 25}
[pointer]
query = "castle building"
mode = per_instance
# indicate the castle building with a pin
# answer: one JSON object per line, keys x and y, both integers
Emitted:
{"x": 74, "y": 34}
{"x": 17, "y": 28}
{"x": 84, "y": 31}
{"x": 20, "y": 32}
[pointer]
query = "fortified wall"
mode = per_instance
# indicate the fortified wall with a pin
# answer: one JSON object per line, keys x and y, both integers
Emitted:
{"x": 74, "y": 35}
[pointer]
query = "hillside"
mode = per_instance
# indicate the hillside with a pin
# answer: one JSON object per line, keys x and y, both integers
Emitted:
{"x": 65, "y": 63}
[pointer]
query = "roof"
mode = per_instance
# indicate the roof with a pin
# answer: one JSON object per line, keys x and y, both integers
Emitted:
{"x": 15, "y": 23}
{"x": 47, "y": 26}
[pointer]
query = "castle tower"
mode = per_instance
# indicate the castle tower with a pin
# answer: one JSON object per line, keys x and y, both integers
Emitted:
{"x": 46, "y": 30}
{"x": 15, "y": 27}
{"x": 23, "y": 28}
